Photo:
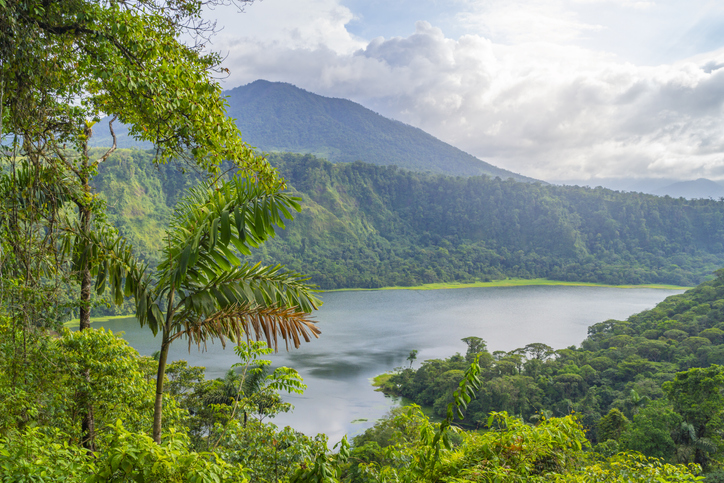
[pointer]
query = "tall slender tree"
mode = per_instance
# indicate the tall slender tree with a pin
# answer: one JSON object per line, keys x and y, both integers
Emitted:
{"x": 203, "y": 290}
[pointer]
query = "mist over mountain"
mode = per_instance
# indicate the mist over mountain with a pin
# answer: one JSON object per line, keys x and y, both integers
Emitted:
{"x": 701, "y": 188}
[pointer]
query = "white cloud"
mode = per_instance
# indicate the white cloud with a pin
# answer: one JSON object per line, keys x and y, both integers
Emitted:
{"x": 551, "y": 110}
{"x": 306, "y": 24}
{"x": 516, "y": 21}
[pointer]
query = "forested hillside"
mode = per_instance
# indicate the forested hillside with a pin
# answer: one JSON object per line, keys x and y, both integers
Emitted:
{"x": 370, "y": 226}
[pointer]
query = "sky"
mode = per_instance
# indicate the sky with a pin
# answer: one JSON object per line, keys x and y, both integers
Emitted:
{"x": 560, "y": 90}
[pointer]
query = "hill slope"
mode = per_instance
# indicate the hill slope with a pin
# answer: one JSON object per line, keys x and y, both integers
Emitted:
{"x": 369, "y": 226}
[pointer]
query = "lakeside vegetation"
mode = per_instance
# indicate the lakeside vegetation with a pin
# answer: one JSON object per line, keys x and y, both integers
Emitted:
{"x": 513, "y": 282}
{"x": 652, "y": 383}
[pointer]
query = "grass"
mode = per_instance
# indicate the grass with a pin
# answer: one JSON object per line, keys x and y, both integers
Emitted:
{"x": 380, "y": 380}
{"x": 106, "y": 318}
{"x": 513, "y": 282}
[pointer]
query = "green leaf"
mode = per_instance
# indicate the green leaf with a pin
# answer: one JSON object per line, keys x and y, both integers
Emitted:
{"x": 225, "y": 228}
{"x": 183, "y": 263}
{"x": 239, "y": 219}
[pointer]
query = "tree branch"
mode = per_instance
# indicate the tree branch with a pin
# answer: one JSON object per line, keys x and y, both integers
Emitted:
{"x": 112, "y": 148}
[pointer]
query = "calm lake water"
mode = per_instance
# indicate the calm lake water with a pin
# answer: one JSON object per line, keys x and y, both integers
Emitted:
{"x": 366, "y": 333}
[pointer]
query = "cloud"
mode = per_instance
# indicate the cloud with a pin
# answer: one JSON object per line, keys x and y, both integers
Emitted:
{"x": 517, "y": 21}
{"x": 552, "y": 110}
{"x": 307, "y": 24}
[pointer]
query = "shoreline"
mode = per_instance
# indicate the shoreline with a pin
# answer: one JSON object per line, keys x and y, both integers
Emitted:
{"x": 511, "y": 282}
{"x": 508, "y": 282}
{"x": 103, "y": 318}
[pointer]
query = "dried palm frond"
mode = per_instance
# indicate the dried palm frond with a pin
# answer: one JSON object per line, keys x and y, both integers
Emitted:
{"x": 269, "y": 323}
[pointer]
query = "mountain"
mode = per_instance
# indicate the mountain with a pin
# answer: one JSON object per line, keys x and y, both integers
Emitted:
{"x": 369, "y": 226}
{"x": 279, "y": 117}
{"x": 275, "y": 116}
{"x": 696, "y": 189}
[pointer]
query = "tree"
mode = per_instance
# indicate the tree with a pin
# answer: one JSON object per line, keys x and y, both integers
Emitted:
{"x": 697, "y": 395}
{"x": 412, "y": 356}
{"x": 612, "y": 425}
{"x": 64, "y": 64}
{"x": 539, "y": 351}
{"x": 207, "y": 291}
{"x": 476, "y": 345}
{"x": 650, "y": 431}
{"x": 76, "y": 59}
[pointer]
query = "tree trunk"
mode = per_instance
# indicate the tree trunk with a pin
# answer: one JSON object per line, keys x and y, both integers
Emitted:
{"x": 158, "y": 405}
{"x": 88, "y": 422}
{"x": 84, "y": 213}
{"x": 89, "y": 426}
{"x": 85, "y": 273}
{"x": 165, "y": 344}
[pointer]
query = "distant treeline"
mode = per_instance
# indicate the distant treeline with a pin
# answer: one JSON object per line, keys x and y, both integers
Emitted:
{"x": 370, "y": 226}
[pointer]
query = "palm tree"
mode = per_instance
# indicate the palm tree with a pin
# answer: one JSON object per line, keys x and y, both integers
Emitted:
{"x": 690, "y": 447}
{"x": 207, "y": 291}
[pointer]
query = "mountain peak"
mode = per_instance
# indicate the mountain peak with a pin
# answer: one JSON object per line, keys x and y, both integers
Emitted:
{"x": 280, "y": 117}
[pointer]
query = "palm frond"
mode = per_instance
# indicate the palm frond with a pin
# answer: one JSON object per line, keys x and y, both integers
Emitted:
{"x": 238, "y": 212}
{"x": 117, "y": 268}
{"x": 270, "y": 323}
{"x": 251, "y": 284}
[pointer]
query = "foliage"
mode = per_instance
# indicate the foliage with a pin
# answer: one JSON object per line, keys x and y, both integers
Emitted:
{"x": 136, "y": 457}
{"x": 650, "y": 432}
{"x": 627, "y": 467}
{"x": 612, "y": 425}
{"x": 613, "y": 381}
{"x": 33, "y": 455}
{"x": 373, "y": 226}
{"x": 697, "y": 395}
{"x": 510, "y": 451}
{"x": 122, "y": 59}
{"x": 208, "y": 292}
{"x": 95, "y": 363}
{"x": 36, "y": 454}
{"x": 269, "y": 454}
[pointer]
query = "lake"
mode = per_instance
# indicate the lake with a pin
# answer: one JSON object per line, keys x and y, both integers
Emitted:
{"x": 366, "y": 333}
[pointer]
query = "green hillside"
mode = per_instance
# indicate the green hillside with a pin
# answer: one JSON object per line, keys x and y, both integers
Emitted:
{"x": 371, "y": 226}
